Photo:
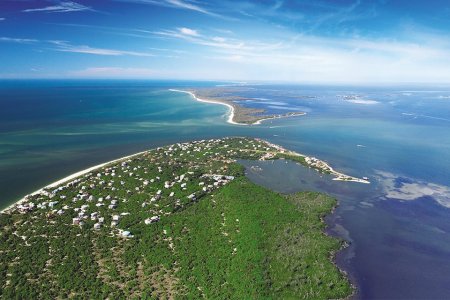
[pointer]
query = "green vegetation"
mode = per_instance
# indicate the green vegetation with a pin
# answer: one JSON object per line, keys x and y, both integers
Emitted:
{"x": 242, "y": 115}
{"x": 198, "y": 228}
{"x": 300, "y": 159}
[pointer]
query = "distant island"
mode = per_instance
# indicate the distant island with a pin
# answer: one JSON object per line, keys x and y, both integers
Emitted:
{"x": 174, "y": 222}
{"x": 239, "y": 115}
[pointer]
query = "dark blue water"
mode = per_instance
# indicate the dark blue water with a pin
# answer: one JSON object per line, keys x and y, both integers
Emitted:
{"x": 397, "y": 136}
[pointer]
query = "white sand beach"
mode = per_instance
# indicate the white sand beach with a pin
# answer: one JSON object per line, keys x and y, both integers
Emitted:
{"x": 276, "y": 117}
{"x": 231, "y": 114}
{"x": 69, "y": 178}
{"x": 339, "y": 176}
{"x": 232, "y": 109}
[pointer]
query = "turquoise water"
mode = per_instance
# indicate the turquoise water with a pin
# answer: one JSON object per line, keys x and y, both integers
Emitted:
{"x": 398, "y": 136}
{"x": 51, "y": 129}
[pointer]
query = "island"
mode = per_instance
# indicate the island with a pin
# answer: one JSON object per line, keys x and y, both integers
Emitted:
{"x": 239, "y": 115}
{"x": 180, "y": 221}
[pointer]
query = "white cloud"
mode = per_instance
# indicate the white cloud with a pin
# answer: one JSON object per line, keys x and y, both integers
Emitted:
{"x": 232, "y": 58}
{"x": 63, "y": 46}
{"x": 187, "y": 5}
{"x": 287, "y": 56}
{"x": 2, "y": 19}
{"x": 17, "y": 40}
{"x": 188, "y": 31}
{"x": 113, "y": 72}
{"x": 61, "y": 7}
{"x": 357, "y": 61}
{"x": 223, "y": 31}
{"x": 207, "y": 41}
{"x": 219, "y": 39}
{"x": 180, "y": 4}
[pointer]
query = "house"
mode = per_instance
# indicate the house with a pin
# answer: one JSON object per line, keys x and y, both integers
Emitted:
{"x": 126, "y": 233}
{"x": 151, "y": 220}
{"x": 97, "y": 226}
{"x": 52, "y": 204}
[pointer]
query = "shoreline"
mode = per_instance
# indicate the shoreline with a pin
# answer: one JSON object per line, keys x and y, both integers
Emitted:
{"x": 339, "y": 176}
{"x": 323, "y": 166}
{"x": 91, "y": 187}
{"x": 278, "y": 117}
{"x": 66, "y": 179}
{"x": 93, "y": 168}
{"x": 232, "y": 108}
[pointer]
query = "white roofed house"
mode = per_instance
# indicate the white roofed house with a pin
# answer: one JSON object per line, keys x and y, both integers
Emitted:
{"x": 126, "y": 233}
{"x": 52, "y": 204}
{"x": 94, "y": 215}
{"x": 151, "y": 220}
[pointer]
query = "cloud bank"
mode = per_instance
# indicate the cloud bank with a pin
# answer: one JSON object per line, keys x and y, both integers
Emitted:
{"x": 61, "y": 7}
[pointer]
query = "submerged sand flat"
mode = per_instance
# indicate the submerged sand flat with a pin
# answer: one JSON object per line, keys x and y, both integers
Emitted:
{"x": 238, "y": 115}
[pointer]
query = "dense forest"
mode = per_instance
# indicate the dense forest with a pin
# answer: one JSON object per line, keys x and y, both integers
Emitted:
{"x": 180, "y": 221}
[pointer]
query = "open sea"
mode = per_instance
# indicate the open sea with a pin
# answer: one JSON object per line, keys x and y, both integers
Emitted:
{"x": 398, "y": 227}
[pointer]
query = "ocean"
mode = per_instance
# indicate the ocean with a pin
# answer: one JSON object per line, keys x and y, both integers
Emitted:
{"x": 398, "y": 136}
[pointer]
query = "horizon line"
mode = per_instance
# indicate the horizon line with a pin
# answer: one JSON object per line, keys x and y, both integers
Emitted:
{"x": 231, "y": 81}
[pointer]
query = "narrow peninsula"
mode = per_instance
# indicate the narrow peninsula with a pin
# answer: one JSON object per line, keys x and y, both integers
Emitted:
{"x": 180, "y": 221}
{"x": 239, "y": 115}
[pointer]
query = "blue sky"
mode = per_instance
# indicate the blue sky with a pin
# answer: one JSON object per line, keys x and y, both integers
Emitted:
{"x": 273, "y": 40}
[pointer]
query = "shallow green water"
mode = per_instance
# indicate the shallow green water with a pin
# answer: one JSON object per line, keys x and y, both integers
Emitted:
{"x": 400, "y": 247}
